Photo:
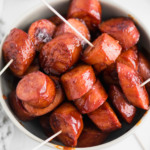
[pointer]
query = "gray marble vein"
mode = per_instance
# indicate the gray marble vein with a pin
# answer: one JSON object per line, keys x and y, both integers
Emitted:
{"x": 6, "y": 130}
{"x": 6, "y": 126}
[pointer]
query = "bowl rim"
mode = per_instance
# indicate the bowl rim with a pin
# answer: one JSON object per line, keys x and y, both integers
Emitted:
{"x": 16, "y": 122}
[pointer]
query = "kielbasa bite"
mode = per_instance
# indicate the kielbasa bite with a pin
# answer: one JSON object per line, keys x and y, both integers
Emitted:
{"x": 123, "y": 30}
{"x": 105, "y": 51}
{"x": 78, "y": 81}
{"x": 60, "y": 54}
{"x": 105, "y": 118}
{"x": 124, "y": 108}
{"x": 67, "y": 119}
{"x": 94, "y": 98}
{"x": 87, "y": 10}
{"x": 18, "y": 109}
{"x": 59, "y": 98}
{"x": 36, "y": 89}
{"x": 144, "y": 69}
{"x": 18, "y": 47}
{"x": 78, "y": 25}
{"x": 41, "y": 32}
{"x": 130, "y": 82}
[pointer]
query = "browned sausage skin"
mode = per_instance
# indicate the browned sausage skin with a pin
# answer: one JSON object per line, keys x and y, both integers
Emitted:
{"x": 35, "y": 66}
{"x": 36, "y": 89}
{"x": 59, "y": 98}
{"x": 123, "y": 30}
{"x": 105, "y": 51}
{"x": 67, "y": 119}
{"x": 58, "y": 55}
{"x": 130, "y": 82}
{"x": 56, "y": 20}
{"x": 41, "y": 32}
{"x": 144, "y": 69}
{"x": 129, "y": 58}
{"x": 81, "y": 27}
{"x": 105, "y": 118}
{"x": 94, "y": 98}
{"x": 18, "y": 109}
{"x": 78, "y": 81}
{"x": 91, "y": 135}
{"x": 125, "y": 109}
{"x": 18, "y": 47}
{"x": 110, "y": 75}
{"x": 87, "y": 10}
{"x": 45, "y": 123}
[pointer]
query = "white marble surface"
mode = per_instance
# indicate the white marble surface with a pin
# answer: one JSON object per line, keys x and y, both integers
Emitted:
{"x": 13, "y": 139}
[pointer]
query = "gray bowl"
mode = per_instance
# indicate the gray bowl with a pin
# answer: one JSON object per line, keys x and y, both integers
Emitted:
{"x": 110, "y": 9}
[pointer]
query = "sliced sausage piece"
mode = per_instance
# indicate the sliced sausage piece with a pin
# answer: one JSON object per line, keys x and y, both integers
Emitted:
{"x": 64, "y": 28}
{"x": 18, "y": 109}
{"x": 78, "y": 81}
{"x": 35, "y": 66}
{"x": 36, "y": 89}
{"x": 144, "y": 69}
{"x": 58, "y": 55}
{"x": 125, "y": 109}
{"x": 56, "y": 20}
{"x": 18, "y": 47}
{"x": 67, "y": 119}
{"x": 129, "y": 58}
{"x": 91, "y": 135}
{"x": 130, "y": 82}
{"x": 105, "y": 51}
{"x": 41, "y": 32}
{"x": 94, "y": 98}
{"x": 87, "y": 10}
{"x": 105, "y": 118}
{"x": 123, "y": 30}
{"x": 59, "y": 98}
{"x": 45, "y": 123}
{"x": 110, "y": 75}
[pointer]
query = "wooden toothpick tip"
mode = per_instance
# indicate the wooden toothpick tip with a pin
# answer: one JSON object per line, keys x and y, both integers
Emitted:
{"x": 47, "y": 140}
{"x": 7, "y": 65}
{"x": 145, "y": 82}
{"x": 64, "y": 20}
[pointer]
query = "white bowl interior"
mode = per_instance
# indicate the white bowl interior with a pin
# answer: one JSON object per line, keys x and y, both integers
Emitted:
{"x": 7, "y": 83}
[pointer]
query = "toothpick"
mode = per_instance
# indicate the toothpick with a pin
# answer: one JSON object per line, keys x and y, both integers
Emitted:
{"x": 8, "y": 64}
{"x": 46, "y": 141}
{"x": 64, "y": 20}
{"x": 148, "y": 80}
